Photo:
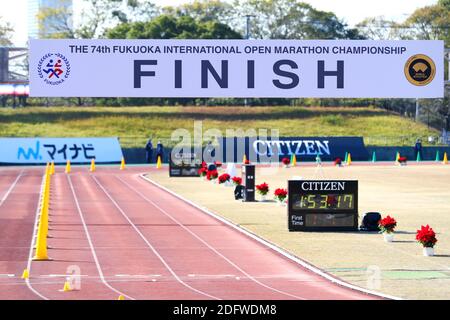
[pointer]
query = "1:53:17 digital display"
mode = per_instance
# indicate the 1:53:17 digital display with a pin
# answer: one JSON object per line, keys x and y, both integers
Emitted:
{"x": 323, "y": 202}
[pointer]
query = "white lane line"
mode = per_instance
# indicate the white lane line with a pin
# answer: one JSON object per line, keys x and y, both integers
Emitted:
{"x": 99, "y": 268}
{"x": 271, "y": 245}
{"x": 208, "y": 245}
{"x": 7, "y": 275}
{"x": 6, "y": 195}
{"x": 150, "y": 245}
{"x": 30, "y": 255}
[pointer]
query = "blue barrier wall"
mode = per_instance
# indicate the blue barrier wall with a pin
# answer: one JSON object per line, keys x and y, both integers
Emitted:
{"x": 389, "y": 153}
{"x": 137, "y": 155}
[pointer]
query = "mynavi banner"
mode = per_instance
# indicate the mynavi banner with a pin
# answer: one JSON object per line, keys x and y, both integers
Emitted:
{"x": 59, "y": 150}
{"x": 237, "y": 68}
{"x": 305, "y": 148}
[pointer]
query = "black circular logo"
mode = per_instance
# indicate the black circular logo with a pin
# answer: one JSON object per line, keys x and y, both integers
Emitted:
{"x": 420, "y": 70}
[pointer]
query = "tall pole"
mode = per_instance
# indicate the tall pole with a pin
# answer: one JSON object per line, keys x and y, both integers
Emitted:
{"x": 417, "y": 110}
{"x": 247, "y": 36}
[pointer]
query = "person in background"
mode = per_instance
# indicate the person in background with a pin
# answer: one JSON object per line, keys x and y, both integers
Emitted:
{"x": 159, "y": 151}
{"x": 418, "y": 148}
{"x": 209, "y": 150}
{"x": 149, "y": 151}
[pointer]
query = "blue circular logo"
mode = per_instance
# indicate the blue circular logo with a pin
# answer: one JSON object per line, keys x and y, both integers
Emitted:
{"x": 54, "y": 68}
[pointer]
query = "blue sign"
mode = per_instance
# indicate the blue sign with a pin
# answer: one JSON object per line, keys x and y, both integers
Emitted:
{"x": 305, "y": 148}
{"x": 59, "y": 150}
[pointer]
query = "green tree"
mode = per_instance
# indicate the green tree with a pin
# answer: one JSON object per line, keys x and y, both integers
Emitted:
{"x": 292, "y": 19}
{"x": 5, "y": 33}
{"x": 427, "y": 23}
{"x": 172, "y": 27}
{"x": 204, "y": 10}
{"x": 430, "y": 23}
{"x": 56, "y": 21}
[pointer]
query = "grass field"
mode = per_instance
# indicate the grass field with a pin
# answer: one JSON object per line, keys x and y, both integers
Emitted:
{"x": 415, "y": 195}
{"x": 135, "y": 124}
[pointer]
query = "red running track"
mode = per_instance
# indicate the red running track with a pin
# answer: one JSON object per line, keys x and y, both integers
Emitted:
{"x": 119, "y": 234}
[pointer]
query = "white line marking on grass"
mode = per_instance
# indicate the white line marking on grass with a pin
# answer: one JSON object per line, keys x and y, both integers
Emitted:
{"x": 99, "y": 268}
{"x": 208, "y": 245}
{"x": 272, "y": 246}
{"x": 150, "y": 245}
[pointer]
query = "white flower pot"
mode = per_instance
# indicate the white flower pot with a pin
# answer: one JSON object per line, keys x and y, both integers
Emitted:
{"x": 428, "y": 252}
{"x": 388, "y": 237}
{"x": 263, "y": 197}
{"x": 287, "y": 166}
{"x": 228, "y": 184}
{"x": 282, "y": 203}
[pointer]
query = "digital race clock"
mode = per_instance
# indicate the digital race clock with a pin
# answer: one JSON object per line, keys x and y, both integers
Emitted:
{"x": 319, "y": 205}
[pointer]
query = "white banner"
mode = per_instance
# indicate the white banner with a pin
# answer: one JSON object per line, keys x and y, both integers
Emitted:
{"x": 237, "y": 68}
{"x": 59, "y": 150}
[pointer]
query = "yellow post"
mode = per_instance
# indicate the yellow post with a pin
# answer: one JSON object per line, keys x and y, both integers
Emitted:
{"x": 92, "y": 169}
{"x": 244, "y": 158}
{"x": 445, "y": 161}
{"x": 67, "y": 286}
{"x": 52, "y": 168}
{"x": 122, "y": 164}
{"x": 158, "y": 163}
{"x": 349, "y": 159}
{"x": 25, "y": 274}
{"x": 294, "y": 160}
{"x": 68, "y": 166}
{"x": 41, "y": 241}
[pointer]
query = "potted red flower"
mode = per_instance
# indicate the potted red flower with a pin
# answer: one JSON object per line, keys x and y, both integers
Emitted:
{"x": 337, "y": 162}
{"x": 237, "y": 181}
{"x": 263, "y": 190}
{"x": 211, "y": 175}
{"x": 387, "y": 226}
{"x": 280, "y": 195}
{"x": 286, "y": 162}
{"x": 202, "y": 172}
{"x": 225, "y": 179}
{"x": 402, "y": 160}
{"x": 427, "y": 237}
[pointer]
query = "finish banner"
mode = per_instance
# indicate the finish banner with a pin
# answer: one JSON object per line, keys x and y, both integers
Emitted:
{"x": 59, "y": 150}
{"x": 237, "y": 68}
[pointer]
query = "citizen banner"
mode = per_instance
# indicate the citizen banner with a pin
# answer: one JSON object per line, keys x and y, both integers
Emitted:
{"x": 305, "y": 148}
{"x": 59, "y": 150}
{"x": 237, "y": 68}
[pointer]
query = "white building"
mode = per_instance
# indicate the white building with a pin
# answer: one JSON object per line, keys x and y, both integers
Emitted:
{"x": 34, "y": 6}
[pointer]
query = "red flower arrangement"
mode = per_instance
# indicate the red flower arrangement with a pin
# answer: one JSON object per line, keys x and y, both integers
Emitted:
{"x": 237, "y": 181}
{"x": 286, "y": 161}
{"x": 204, "y": 164}
{"x": 212, "y": 174}
{"x": 402, "y": 159}
{"x": 387, "y": 224}
{"x": 262, "y": 188}
{"x": 202, "y": 172}
{"x": 337, "y": 161}
{"x": 280, "y": 194}
{"x": 224, "y": 178}
{"x": 426, "y": 236}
